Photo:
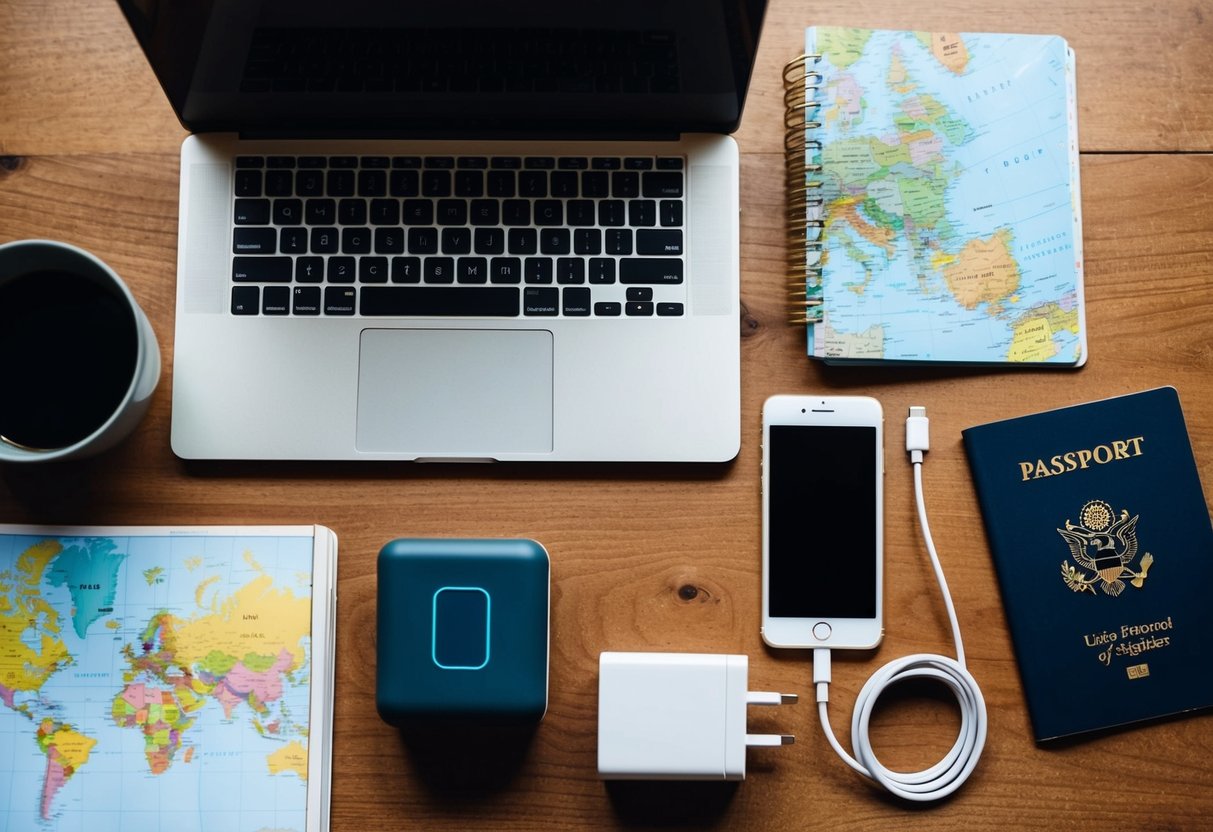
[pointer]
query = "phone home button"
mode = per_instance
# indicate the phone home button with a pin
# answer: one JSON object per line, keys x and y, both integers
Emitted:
{"x": 821, "y": 631}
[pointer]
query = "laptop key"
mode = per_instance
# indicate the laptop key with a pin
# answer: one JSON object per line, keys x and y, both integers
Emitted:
{"x": 279, "y": 182}
{"x": 423, "y": 241}
{"x": 570, "y": 270}
{"x": 549, "y": 212}
{"x": 489, "y": 240}
{"x": 276, "y": 300}
{"x": 639, "y": 308}
{"x": 469, "y": 183}
{"x": 610, "y": 212}
{"x": 389, "y": 241}
{"x": 385, "y": 212}
{"x": 436, "y": 183}
{"x": 341, "y": 270}
{"x": 573, "y": 163}
{"x": 660, "y": 242}
{"x": 441, "y": 301}
{"x": 248, "y": 183}
{"x": 554, "y": 241}
{"x": 439, "y": 270}
{"x": 485, "y": 212}
{"x": 404, "y": 183}
{"x": 595, "y": 184}
{"x": 324, "y": 241}
{"x": 288, "y": 211}
{"x": 372, "y": 183}
{"x": 670, "y": 211}
{"x": 254, "y": 241}
{"x": 608, "y": 308}
{"x": 537, "y": 301}
{"x": 642, "y": 212}
{"x": 662, "y": 184}
{"x": 406, "y": 269}
{"x": 252, "y": 212}
{"x": 640, "y": 293}
{"x": 602, "y": 270}
{"x": 619, "y": 241}
{"x": 564, "y": 183}
{"x": 637, "y": 163}
{"x": 372, "y": 270}
{"x": 452, "y": 212}
{"x": 456, "y": 241}
{"x": 580, "y": 212}
{"x": 516, "y": 212}
{"x": 309, "y": 183}
{"x": 472, "y": 270}
{"x": 293, "y": 240}
{"x": 306, "y": 300}
{"x": 625, "y": 184}
{"x": 340, "y": 300}
{"x": 355, "y": 240}
{"x": 351, "y": 212}
{"x": 587, "y": 241}
{"x": 576, "y": 302}
{"x": 502, "y": 183}
{"x": 418, "y": 212}
{"x": 531, "y": 183}
{"x": 505, "y": 270}
{"x": 320, "y": 211}
{"x": 250, "y": 161}
{"x": 657, "y": 271}
{"x": 538, "y": 270}
{"x": 669, "y": 163}
{"x": 523, "y": 241}
{"x": 309, "y": 270}
{"x": 340, "y": 183}
{"x": 246, "y": 300}
{"x": 669, "y": 310}
{"x": 261, "y": 269}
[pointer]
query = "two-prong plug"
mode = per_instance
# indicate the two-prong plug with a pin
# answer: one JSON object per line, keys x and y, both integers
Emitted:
{"x": 677, "y": 716}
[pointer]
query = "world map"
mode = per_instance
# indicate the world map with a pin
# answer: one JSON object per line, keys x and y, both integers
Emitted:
{"x": 950, "y": 198}
{"x": 154, "y": 682}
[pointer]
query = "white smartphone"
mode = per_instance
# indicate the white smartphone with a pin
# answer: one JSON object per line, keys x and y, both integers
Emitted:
{"x": 822, "y": 521}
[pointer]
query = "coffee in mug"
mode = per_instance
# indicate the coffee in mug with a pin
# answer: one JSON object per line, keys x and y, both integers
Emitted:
{"x": 79, "y": 355}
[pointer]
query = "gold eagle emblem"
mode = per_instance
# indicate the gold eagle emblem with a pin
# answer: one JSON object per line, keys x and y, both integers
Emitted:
{"x": 1104, "y": 547}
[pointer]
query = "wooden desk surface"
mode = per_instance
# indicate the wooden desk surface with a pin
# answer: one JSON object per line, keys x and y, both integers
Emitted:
{"x": 653, "y": 557}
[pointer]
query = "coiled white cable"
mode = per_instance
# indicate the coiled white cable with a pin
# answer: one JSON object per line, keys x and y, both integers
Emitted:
{"x": 950, "y": 773}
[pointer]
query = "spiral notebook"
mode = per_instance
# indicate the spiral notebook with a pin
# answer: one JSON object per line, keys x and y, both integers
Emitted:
{"x": 933, "y": 198}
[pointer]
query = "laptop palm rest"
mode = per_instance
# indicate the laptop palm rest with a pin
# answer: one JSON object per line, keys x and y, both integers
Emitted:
{"x": 455, "y": 392}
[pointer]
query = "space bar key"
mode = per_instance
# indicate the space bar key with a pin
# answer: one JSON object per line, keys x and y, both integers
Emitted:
{"x": 444, "y": 301}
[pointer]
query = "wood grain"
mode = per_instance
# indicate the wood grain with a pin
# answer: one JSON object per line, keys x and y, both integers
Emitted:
{"x": 666, "y": 557}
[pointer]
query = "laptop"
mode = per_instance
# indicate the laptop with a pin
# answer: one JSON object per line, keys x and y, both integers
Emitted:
{"x": 459, "y": 230}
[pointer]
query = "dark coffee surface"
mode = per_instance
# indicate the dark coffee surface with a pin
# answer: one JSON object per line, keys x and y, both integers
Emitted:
{"x": 69, "y": 349}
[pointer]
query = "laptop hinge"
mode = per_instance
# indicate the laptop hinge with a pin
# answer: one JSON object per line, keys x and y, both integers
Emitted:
{"x": 456, "y": 135}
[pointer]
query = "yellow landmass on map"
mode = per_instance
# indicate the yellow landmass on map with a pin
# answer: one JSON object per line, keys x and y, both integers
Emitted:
{"x": 984, "y": 271}
{"x": 949, "y": 49}
{"x": 113, "y": 624}
{"x": 202, "y": 588}
{"x": 252, "y": 561}
{"x": 291, "y": 757}
{"x": 257, "y": 618}
{"x": 33, "y": 560}
{"x": 1032, "y": 341}
{"x": 193, "y": 563}
{"x": 866, "y": 344}
{"x": 72, "y": 746}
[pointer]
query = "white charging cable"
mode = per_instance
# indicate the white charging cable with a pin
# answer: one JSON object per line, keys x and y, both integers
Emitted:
{"x": 946, "y": 776}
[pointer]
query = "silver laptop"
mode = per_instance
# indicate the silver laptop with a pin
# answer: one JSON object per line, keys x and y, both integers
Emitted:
{"x": 452, "y": 231}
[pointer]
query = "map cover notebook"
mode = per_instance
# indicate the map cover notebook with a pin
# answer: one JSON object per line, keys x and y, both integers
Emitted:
{"x": 166, "y": 678}
{"x": 1101, "y": 541}
{"x": 933, "y": 198}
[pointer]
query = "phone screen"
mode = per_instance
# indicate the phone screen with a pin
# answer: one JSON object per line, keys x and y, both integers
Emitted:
{"x": 822, "y": 521}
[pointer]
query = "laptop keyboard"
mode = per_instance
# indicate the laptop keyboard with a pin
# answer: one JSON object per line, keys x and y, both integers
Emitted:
{"x": 445, "y": 236}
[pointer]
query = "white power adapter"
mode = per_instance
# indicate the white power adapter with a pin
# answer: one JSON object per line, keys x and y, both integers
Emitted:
{"x": 677, "y": 716}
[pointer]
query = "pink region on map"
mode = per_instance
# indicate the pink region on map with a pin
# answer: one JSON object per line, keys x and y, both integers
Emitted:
{"x": 53, "y": 782}
{"x": 913, "y": 107}
{"x": 6, "y": 696}
{"x": 848, "y": 96}
{"x": 240, "y": 682}
{"x": 135, "y": 695}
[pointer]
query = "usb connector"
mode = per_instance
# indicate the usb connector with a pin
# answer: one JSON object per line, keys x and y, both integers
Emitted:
{"x": 918, "y": 435}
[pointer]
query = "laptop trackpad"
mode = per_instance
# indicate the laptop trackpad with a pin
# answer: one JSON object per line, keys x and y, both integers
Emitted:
{"x": 444, "y": 392}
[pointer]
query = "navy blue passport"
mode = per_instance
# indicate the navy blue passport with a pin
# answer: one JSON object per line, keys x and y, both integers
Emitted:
{"x": 1102, "y": 544}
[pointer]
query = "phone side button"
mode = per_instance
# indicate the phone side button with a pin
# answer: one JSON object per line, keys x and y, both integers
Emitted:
{"x": 821, "y": 631}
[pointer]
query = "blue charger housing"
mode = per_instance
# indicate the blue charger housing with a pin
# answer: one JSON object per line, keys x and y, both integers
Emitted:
{"x": 462, "y": 631}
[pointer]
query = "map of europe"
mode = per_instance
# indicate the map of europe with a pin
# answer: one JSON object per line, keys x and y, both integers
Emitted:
{"x": 154, "y": 682}
{"x": 950, "y": 198}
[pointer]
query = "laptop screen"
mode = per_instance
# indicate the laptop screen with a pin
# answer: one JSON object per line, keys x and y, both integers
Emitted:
{"x": 388, "y": 67}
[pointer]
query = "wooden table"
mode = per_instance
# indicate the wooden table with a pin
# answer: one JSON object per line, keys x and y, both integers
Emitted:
{"x": 666, "y": 557}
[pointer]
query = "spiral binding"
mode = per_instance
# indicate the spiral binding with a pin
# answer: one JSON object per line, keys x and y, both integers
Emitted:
{"x": 801, "y": 84}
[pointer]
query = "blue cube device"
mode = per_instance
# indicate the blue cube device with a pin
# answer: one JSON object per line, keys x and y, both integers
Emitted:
{"x": 462, "y": 631}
